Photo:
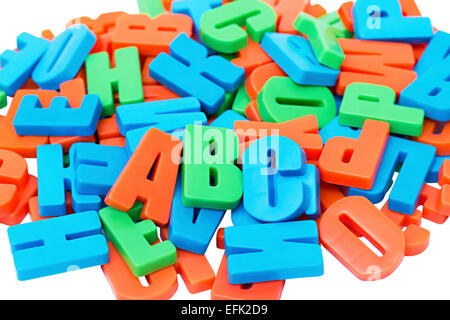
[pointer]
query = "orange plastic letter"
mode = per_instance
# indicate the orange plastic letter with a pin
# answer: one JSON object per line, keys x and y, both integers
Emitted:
{"x": 162, "y": 284}
{"x": 150, "y": 36}
{"x": 384, "y": 63}
{"x": 149, "y": 177}
{"x": 360, "y": 214}
{"x": 355, "y": 162}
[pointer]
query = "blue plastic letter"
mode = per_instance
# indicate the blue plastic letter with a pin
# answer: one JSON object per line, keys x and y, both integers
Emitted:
{"x": 165, "y": 115}
{"x": 191, "y": 229}
{"x": 431, "y": 92}
{"x": 436, "y": 51}
{"x": 54, "y": 180}
{"x": 416, "y": 158}
{"x": 97, "y": 167}
{"x": 278, "y": 184}
{"x": 188, "y": 71}
{"x": 382, "y": 20}
{"x": 64, "y": 57}
{"x": 273, "y": 251}
{"x": 295, "y": 56}
{"x": 18, "y": 66}
{"x": 58, "y": 245}
{"x": 59, "y": 119}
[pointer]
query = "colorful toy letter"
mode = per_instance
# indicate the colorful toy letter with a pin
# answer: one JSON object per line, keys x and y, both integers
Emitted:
{"x": 278, "y": 251}
{"x": 220, "y": 28}
{"x": 210, "y": 178}
{"x": 188, "y": 71}
{"x": 67, "y": 243}
{"x": 149, "y": 177}
{"x": 274, "y": 168}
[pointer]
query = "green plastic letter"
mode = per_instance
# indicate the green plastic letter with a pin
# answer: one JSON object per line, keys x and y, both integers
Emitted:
{"x": 220, "y": 28}
{"x": 323, "y": 40}
{"x": 133, "y": 241}
{"x": 281, "y": 99}
{"x": 369, "y": 101}
{"x": 125, "y": 78}
{"x": 210, "y": 178}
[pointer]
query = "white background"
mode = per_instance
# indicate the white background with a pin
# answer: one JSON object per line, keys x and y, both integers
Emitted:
{"x": 426, "y": 276}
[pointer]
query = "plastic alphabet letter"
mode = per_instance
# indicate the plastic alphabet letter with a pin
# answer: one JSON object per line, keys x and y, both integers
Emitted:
{"x": 295, "y": 56}
{"x": 382, "y": 20}
{"x": 384, "y": 63}
{"x": 282, "y": 100}
{"x": 221, "y": 30}
{"x": 337, "y": 233}
{"x": 104, "y": 24}
{"x": 436, "y": 51}
{"x": 322, "y": 38}
{"x": 287, "y": 11}
{"x": 192, "y": 229}
{"x": 274, "y": 168}
{"x": 431, "y": 92}
{"x": 188, "y": 71}
{"x": 437, "y": 134}
{"x": 210, "y": 178}
{"x": 17, "y": 66}
{"x": 368, "y": 101}
{"x": 55, "y": 179}
{"x": 444, "y": 181}
{"x": 125, "y": 78}
{"x": 275, "y": 251}
{"x": 195, "y": 269}
{"x": 97, "y": 167}
{"x": 133, "y": 240}
{"x": 64, "y": 57}
{"x": 150, "y": 36}
{"x": 59, "y": 119}
{"x": 9, "y": 139}
{"x": 149, "y": 177}
{"x": 165, "y": 115}
{"x": 354, "y": 163}
{"x": 163, "y": 284}
{"x": 417, "y": 238}
{"x": 73, "y": 241}
{"x": 151, "y": 7}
